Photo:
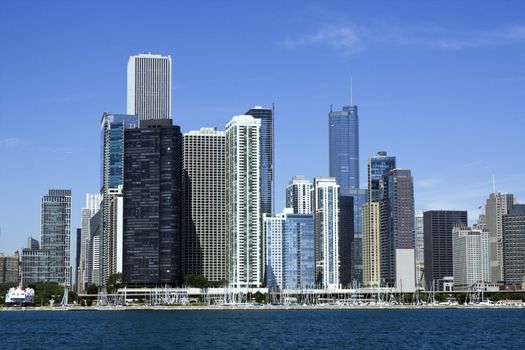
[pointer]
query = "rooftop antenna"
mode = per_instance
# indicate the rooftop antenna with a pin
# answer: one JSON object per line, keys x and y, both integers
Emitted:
{"x": 351, "y": 92}
{"x": 493, "y": 184}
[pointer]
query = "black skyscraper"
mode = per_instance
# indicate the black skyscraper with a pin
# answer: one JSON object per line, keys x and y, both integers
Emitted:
{"x": 438, "y": 226}
{"x": 152, "y": 204}
{"x": 346, "y": 237}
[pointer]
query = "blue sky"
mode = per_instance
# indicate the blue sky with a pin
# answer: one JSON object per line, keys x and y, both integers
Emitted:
{"x": 439, "y": 84}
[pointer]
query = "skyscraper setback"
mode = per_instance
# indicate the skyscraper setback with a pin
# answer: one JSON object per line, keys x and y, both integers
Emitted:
{"x": 149, "y": 86}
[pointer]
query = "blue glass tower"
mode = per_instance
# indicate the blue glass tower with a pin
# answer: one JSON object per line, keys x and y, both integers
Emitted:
{"x": 378, "y": 165}
{"x": 265, "y": 115}
{"x": 298, "y": 251}
{"x": 343, "y": 129}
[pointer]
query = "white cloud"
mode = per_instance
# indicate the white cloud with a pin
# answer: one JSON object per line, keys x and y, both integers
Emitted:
{"x": 346, "y": 39}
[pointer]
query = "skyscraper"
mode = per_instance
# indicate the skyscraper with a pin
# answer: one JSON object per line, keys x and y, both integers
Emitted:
{"x": 438, "y": 254}
{"x": 343, "y": 133}
{"x": 325, "y": 207}
{"x": 397, "y": 230}
{"x": 152, "y": 203}
{"x": 244, "y": 265}
{"x": 378, "y": 165}
{"x": 149, "y": 86}
{"x": 498, "y": 204}
{"x": 346, "y": 239}
{"x": 55, "y": 233}
{"x": 265, "y": 115}
{"x": 470, "y": 257}
{"x": 419, "y": 241}
{"x": 112, "y": 172}
{"x": 204, "y": 204}
{"x": 371, "y": 245}
{"x": 92, "y": 206}
{"x": 514, "y": 245}
{"x": 298, "y": 195}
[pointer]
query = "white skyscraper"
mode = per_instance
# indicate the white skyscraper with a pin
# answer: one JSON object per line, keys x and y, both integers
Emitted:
{"x": 243, "y": 202}
{"x": 325, "y": 205}
{"x": 470, "y": 257}
{"x": 273, "y": 249}
{"x": 149, "y": 86}
{"x": 298, "y": 195}
{"x": 92, "y": 206}
{"x": 419, "y": 240}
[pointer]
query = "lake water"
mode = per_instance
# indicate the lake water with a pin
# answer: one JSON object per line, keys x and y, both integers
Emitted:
{"x": 265, "y": 329}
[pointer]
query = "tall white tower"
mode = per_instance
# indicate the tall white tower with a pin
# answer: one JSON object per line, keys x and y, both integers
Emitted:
{"x": 243, "y": 202}
{"x": 298, "y": 195}
{"x": 149, "y": 86}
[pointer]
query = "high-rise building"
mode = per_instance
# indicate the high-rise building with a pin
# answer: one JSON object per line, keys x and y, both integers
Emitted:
{"x": 204, "y": 204}
{"x": 343, "y": 134}
{"x": 92, "y": 206}
{"x": 94, "y": 260}
{"x": 10, "y": 268}
{"x": 325, "y": 205}
{"x": 265, "y": 115}
{"x": 498, "y": 204}
{"x": 152, "y": 203}
{"x": 359, "y": 198}
{"x": 470, "y": 258}
{"x": 55, "y": 233}
{"x": 346, "y": 238}
{"x": 513, "y": 225}
{"x": 371, "y": 245}
{"x": 419, "y": 241}
{"x": 77, "y": 258}
{"x": 438, "y": 254}
{"x": 397, "y": 230}
{"x": 112, "y": 167}
{"x": 149, "y": 86}
{"x": 289, "y": 250}
{"x": 378, "y": 165}
{"x": 244, "y": 265}
{"x": 298, "y": 195}
{"x": 34, "y": 265}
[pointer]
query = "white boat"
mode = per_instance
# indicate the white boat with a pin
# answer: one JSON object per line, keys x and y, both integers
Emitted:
{"x": 20, "y": 296}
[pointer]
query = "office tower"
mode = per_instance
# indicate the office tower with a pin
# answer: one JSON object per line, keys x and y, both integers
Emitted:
{"x": 55, "y": 234}
{"x": 92, "y": 206}
{"x": 34, "y": 263}
{"x": 371, "y": 245}
{"x": 397, "y": 230}
{"x": 346, "y": 238}
{"x": 343, "y": 134}
{"x": 513, "y": 225}
{"x": 378, "y": 165}
{"x": 77, "y": 258}
{"x": 438, "y": 225}
{"x": 149, "y": 86}
{"x": 112, "y": 135}
{"x": 244, "y": 265}
{"x": 470, "y": 258}
{"x": 325, "y": 205}
{"x": 265, "y": 115}
{"x": 298, "y": 195}
{"x": 497, "y": 205}
{"x": 152, "y": 203}
{"x": 203, "y": 204}
{"x": 359, "y": 197}
{"x": 94, "y": 259}
{"x": 32, "y": 243}
{"x": 289, "y": 250}
{"x": 9, "y": 268}
{"x": 419, "y": 241}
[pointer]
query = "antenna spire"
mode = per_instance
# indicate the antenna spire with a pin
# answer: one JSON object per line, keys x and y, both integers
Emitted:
{"x": 351, "y": 92}
{"x": 493, "y": 184}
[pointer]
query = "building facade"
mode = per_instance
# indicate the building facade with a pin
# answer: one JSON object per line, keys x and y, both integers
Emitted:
{"x": 438, "y": 254}
{"x": 419, "y": 241}
{"x": 371, "y": 245}
{"x": 378, "y": 165}
{"x": 471, "y": 264}
{"x": 244, "y": 258}
{"x": 325, "y": 205}
{"x": 346, "y": 239}
{"x": 298, "y": 194}
{"x": 93, "y": 202}
{"x": 513, "y": 225}
{"x": 152, "y": 201}
{"x": 10, "y": 269}
{"x": 497, "y": 205}
{"x": 149, "y": 86}
{"x": 204, "y": 217}
{"x": 265, "y": 116}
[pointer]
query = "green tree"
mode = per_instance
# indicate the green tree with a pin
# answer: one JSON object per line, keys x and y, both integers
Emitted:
{"x": 114, "y": 282}
{"x": 198, "y": 281}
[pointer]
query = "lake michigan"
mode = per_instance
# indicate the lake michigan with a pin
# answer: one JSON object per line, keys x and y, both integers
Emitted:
{"x": 264, "y": 329}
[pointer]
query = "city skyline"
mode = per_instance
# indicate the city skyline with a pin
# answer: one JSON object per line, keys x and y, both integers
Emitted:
{"x": 61, "y": 125}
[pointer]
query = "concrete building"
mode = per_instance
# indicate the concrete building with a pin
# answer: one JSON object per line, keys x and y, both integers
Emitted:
{"x": 298, "y": 194}
{"x": 397, "y": 230}
{"x": 204, "y": 216}
{"x": 244, "y": 254}
{"x": 371, "y": 245}
{"x": 10, "y": 269}
{"x": 149, "y": 86}
{"x": 497, "y": 205}
{"x": 34, "y": 264}
{"x": 325, "y": 205}
{"x": 419, "y": 240}
{"x": 513, "y": 225}
{"x": 93, "y": 202}
{"x": 438, "y": 225}
{"x": 152, "y": 195}
{"x": 470, "y": 257}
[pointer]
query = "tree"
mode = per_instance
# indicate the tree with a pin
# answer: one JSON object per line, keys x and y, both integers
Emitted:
{"x": 114, "y": 282}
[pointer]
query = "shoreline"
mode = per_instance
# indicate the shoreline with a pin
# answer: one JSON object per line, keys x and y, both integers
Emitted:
{"x": 251, "y": 307}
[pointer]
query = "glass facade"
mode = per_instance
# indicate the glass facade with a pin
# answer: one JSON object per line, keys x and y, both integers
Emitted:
{"x": 343, "y": 132}
{"x": 298, "y": 251}
{"x": 377, "y": 167}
